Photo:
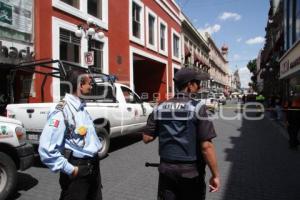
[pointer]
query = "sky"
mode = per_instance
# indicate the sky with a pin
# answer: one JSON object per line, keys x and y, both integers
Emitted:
{"x": 240, "y": 24}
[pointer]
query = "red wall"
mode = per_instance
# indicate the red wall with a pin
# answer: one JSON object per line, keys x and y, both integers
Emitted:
{"x": 171, "y": 24}
{"x": 119, "y": 39}
{"x": 43, "y": 43}
{"x": 118, "y": 34}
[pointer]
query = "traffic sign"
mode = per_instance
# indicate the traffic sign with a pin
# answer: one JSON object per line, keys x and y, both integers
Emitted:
{"x": 89, "y": 58}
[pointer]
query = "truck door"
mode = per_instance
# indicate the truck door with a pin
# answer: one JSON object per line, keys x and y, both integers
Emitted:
{"x": 133, "y": 112}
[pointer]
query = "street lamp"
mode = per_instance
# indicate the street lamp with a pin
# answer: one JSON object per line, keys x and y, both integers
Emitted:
{"x": 270, "y": 69}
{"x": 91, "y": 30}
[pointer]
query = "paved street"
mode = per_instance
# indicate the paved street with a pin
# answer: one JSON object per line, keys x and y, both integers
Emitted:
{"x": 254, "y": 161}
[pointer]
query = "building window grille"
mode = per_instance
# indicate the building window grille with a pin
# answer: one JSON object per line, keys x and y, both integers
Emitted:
{"x": 136, "y": 20}
{"x": 162, "y": 37}
{"x": 175, "y": 45}
{"x": 95, "y": 8}
{"x": 69, "y": 46}
{"x": 97, "y": 47}
{"x": 151, "y": 29}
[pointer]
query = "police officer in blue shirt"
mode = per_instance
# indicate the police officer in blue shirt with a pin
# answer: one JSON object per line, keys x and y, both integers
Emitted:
{"x": 69, "y": 143}
{"x": 185, "y": 142}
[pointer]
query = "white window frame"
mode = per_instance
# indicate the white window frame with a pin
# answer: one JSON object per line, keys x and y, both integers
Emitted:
{"x": 141, "y": 40}
{"x": 173, "y": 32}
{"x": 150, "y": 46}
{"x": 57, "y": 24}
{"x": 163, "y": 52}
{"x": 82, "y": 11}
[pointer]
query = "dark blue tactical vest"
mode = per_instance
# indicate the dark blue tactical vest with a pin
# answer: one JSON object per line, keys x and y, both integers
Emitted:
{"x": 177, "y": 127}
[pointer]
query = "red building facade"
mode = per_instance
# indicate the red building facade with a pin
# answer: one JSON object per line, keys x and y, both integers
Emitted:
{"x": 141, "y": 43}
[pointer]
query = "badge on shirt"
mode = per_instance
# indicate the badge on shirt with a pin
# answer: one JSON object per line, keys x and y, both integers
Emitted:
{"x": 82, "y": 130}
{"x": 54, "y": 123}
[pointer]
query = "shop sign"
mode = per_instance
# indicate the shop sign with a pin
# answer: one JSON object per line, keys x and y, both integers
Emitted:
{"x": 17, "y": 15}
{"x": 5, "y": 13}
{"x": 295, "y": 63}
{"x": 14, "y": 53}
{"x": 285, "y": 67}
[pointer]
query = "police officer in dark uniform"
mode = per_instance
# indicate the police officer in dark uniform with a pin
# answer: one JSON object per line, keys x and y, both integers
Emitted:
{"x": 69, "y": 143}
{"x": 185, "y": 142}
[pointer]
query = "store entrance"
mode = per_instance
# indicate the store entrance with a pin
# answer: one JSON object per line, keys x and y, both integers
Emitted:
{"x": 4, "y": 88}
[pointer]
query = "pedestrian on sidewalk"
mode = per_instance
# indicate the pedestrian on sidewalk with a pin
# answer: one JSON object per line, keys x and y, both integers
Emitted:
{"x": 69, "y": 143}
{"x": 278, "y": 107}
{"x": 185, "y": 142}
{"x": 292, "y": 121}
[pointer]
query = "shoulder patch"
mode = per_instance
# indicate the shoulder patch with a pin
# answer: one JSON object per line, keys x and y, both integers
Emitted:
{"x": 60, "y": 106}
{"x": 54, "y": 123}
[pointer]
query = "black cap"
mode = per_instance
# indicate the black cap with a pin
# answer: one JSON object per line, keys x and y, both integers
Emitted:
{"x": 185, "y": 75}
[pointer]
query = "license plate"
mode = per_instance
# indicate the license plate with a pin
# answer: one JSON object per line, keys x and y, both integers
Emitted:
{"x": 33, "y": 137}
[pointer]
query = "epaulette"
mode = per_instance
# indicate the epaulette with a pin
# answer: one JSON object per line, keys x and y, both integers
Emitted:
{"x": 61, "y": 104}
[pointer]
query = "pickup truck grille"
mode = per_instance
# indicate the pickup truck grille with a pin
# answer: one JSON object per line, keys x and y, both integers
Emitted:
{"x": 33, "y": 137}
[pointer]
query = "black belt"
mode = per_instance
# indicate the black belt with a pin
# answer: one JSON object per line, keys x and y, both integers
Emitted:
{"x": 178, "y": 161}
{"x": 84, "y": 161}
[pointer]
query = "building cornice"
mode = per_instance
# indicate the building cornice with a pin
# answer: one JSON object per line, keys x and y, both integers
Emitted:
{"x": 187, "y": 24}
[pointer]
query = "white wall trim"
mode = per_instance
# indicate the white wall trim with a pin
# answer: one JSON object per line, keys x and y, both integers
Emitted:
{"x": 133, "y": 50}
{"x": 141, "y": 40}
{"x": 150, "y": 46}
{"x": 173, "y": 32}
{"x": 171, "y": 8}
{"x": 82, "y": 11}
{"x": 176, "y": 16}
{"x": 56, "y": 25}
{"x": 165, "y": 52}
{"x": 177, "y": 6}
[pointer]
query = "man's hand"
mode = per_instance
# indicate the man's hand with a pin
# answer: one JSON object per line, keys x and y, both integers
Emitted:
{"x": 214, "y": 184}
{"x": 208, "y": 152}
{"x": 81, "y": 171}
{"x": 75, "y": 172}
{"x": 147, "y": 138}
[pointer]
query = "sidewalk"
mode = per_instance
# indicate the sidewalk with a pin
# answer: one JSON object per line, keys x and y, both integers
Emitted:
{"x": 279, "y": 124}
{"x": 255, "y": 161}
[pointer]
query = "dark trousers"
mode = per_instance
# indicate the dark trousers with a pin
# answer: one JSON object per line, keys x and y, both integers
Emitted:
{"x": 293, "y": 134}
{"x": 82, "y": 188}
{"x": 179, "y": 188}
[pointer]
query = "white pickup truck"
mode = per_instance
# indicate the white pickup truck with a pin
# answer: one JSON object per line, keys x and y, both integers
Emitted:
{"x": 15, "y": 154}
{"x": 115, "y": 109}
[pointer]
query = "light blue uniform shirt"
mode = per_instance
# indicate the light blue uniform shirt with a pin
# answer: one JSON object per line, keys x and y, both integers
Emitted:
{"x": 55, "y": 139}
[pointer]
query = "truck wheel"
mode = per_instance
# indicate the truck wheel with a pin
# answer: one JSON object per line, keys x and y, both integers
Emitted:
{"x": 8, "y": 176}
{"x": 105, "y": 141}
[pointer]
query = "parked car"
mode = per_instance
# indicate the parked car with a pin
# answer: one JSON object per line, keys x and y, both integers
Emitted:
{"x": 15, "y": 154}
{"x": 115, "y": 109}
{"x": 209, "y": 99}
{"x": 221, "y": 98}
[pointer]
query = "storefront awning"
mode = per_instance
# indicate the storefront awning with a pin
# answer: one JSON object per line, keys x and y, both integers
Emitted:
{"x": 197, "y": 59}
{"x": 187, "y": 52}
{"x": 291, "y": 73}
